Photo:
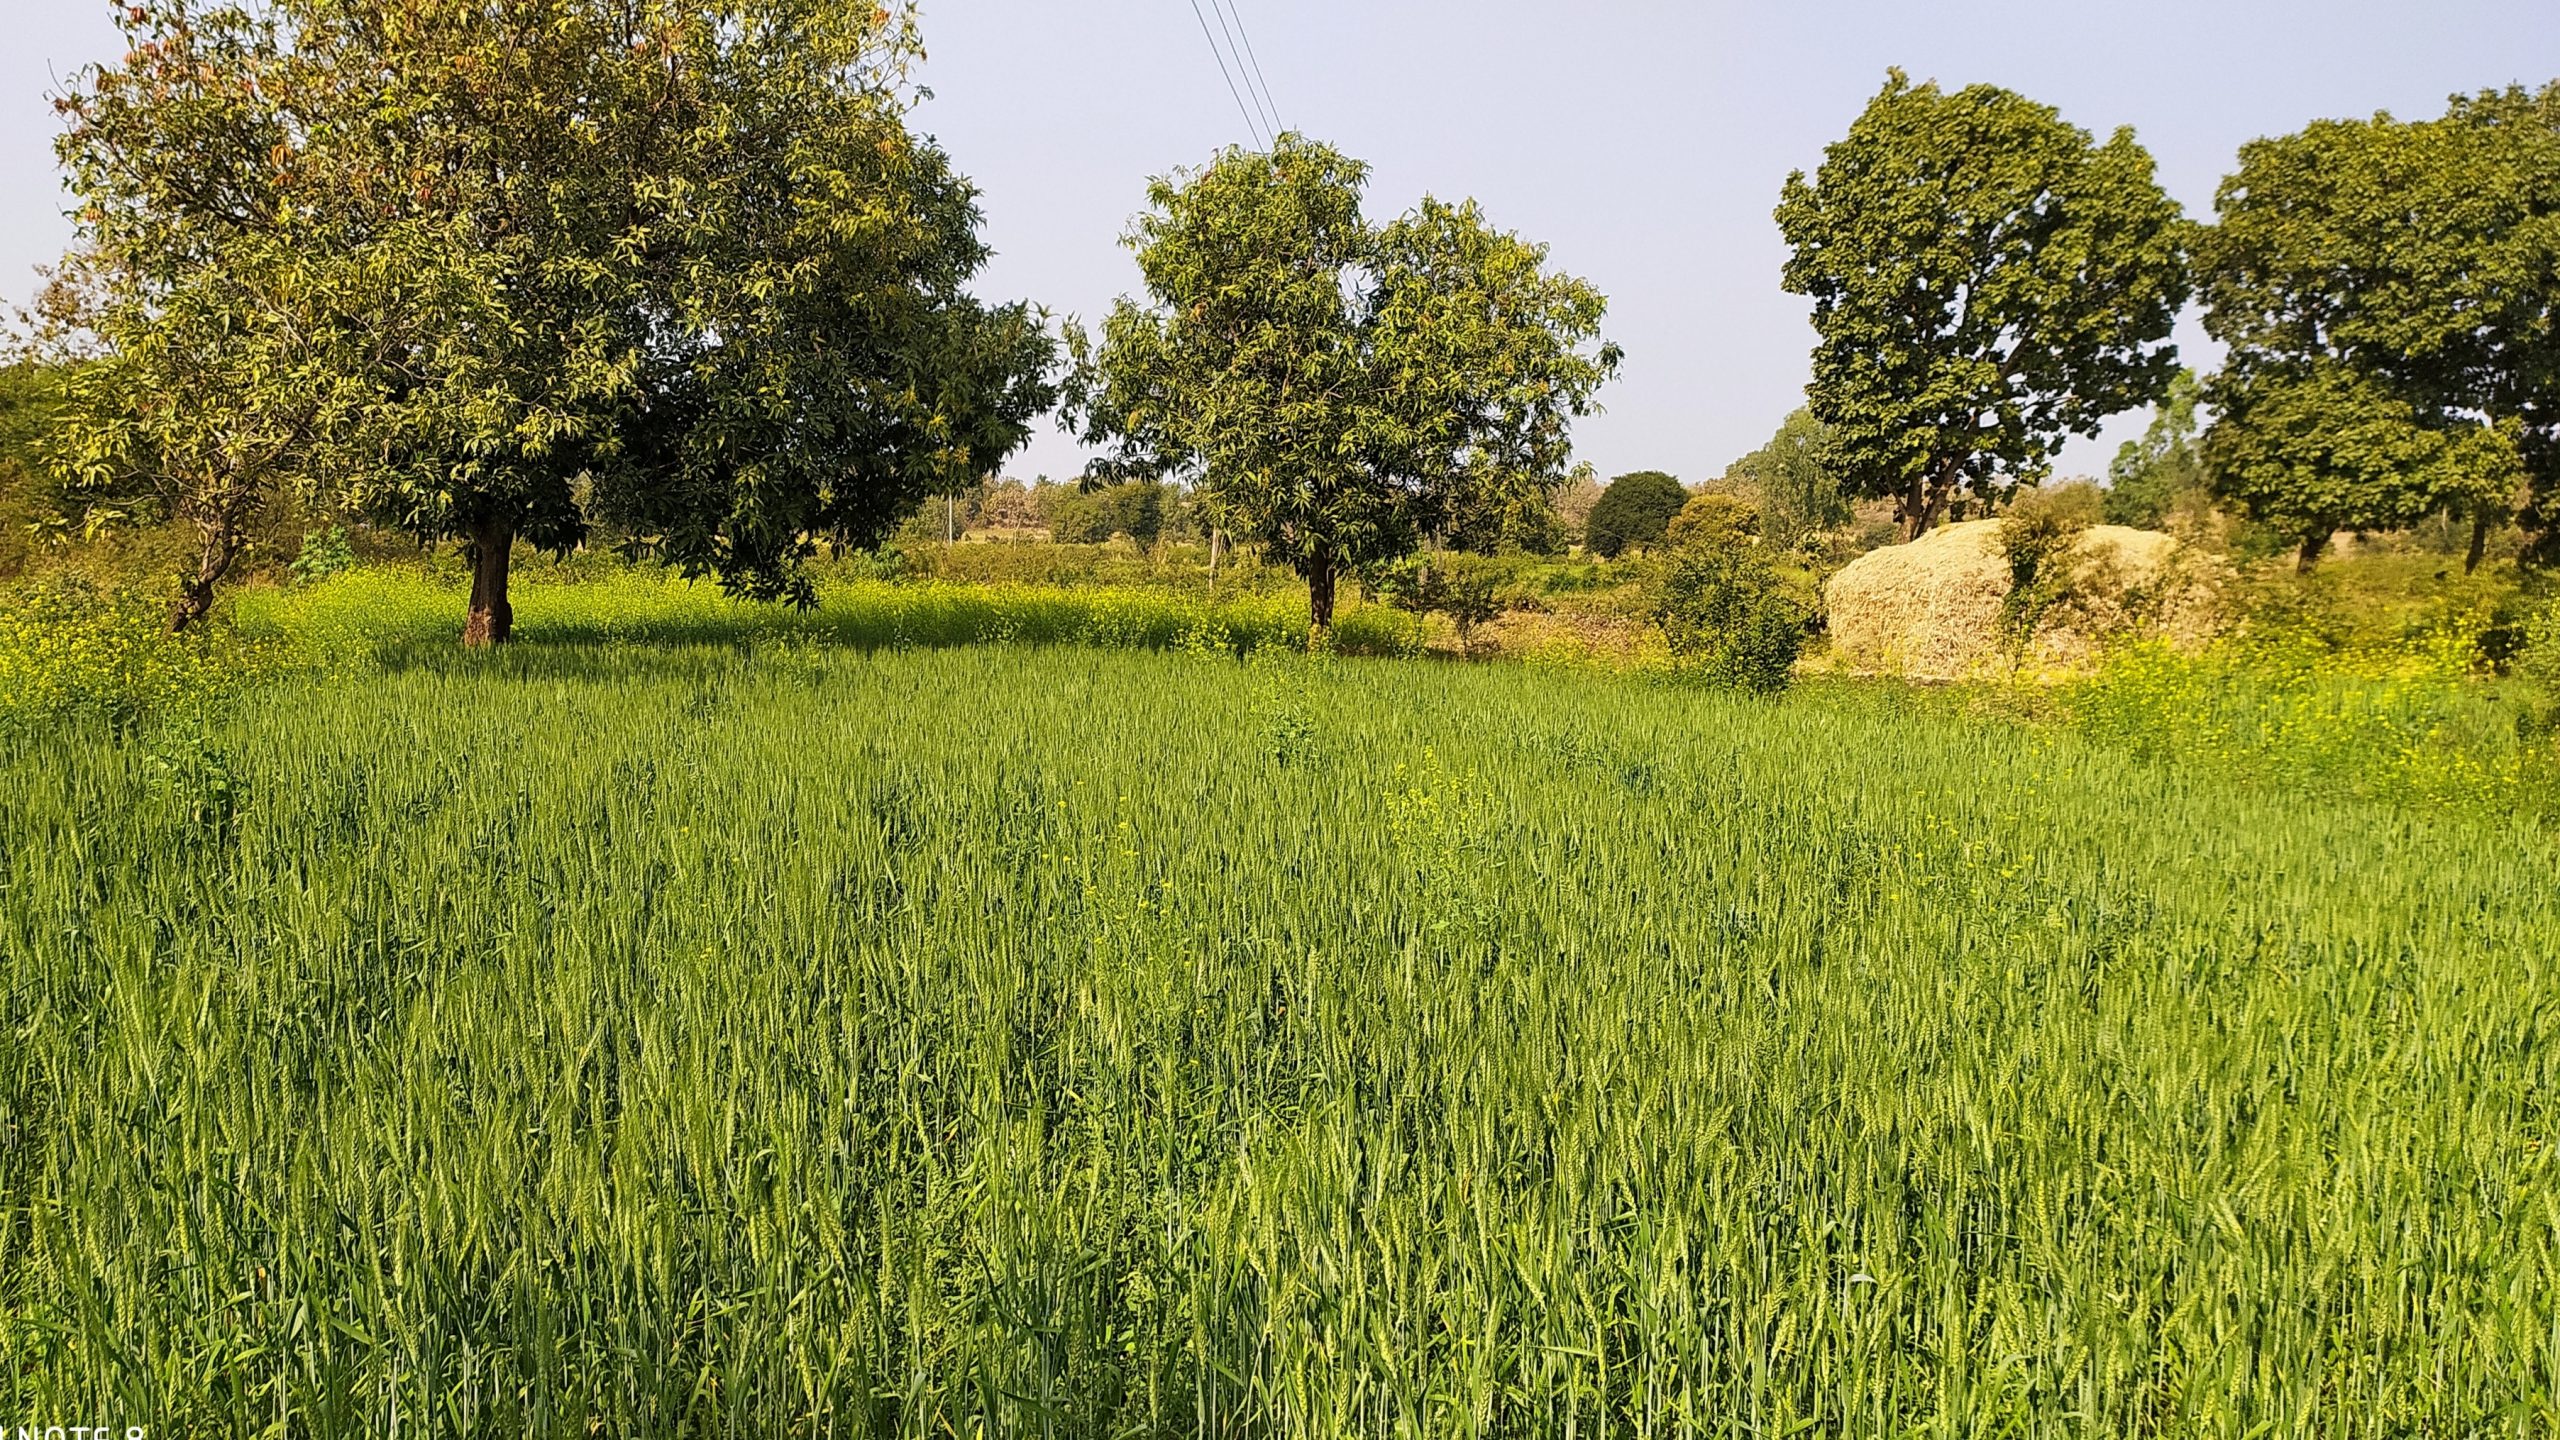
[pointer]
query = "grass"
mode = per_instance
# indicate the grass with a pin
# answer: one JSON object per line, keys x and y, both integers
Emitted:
{"x": 656, "y": 1037}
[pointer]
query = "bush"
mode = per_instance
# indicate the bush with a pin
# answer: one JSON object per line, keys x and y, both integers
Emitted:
{"x": 324, "y": 553}
{"x": 2401, "y": 724}
{"x": 2037, "y": 536}
{"x": 1634, "y": 511}
{"x": 1463, "y": 588}
{"x": 1728, "y": 616}
{"x": 1713, "y": 518}
{"x": 2537, "y": 657}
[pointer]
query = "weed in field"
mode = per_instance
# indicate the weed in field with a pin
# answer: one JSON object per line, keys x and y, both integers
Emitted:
{"x": 70, "y": 650}
{"x": 2404, "y": 723}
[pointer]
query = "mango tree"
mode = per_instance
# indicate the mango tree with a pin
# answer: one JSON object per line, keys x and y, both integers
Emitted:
{"x": 1337, "y": 391}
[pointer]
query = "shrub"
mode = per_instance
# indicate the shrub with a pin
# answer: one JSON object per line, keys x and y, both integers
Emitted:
{"x": 2403, "y": 724}
{"x": 2537, "y": 657}
{"x": 70, "y": 649}
{"x": 1728, "y": 616}
{"x": 1713, "y": 518}
{"x": 324, "y": 553}
{"x": 1458, "y": 586}
{"x": 2037, "y": 536}
{"x": 1634, "y": 511}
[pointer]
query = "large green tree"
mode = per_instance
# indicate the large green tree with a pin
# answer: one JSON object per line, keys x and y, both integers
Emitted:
{"x": 2387, "y": 292}
{"x": 1337, "y": 392}
{"x": 1985, "y": 280}
{"x": 2325, "y": 447}
{"x": 1635, "y": 510}
{"x": 227, "y": 341}
{"x": 502, "y": 269}
{"x": 2148, "y": 475}
{"x": 1796, "y": 478}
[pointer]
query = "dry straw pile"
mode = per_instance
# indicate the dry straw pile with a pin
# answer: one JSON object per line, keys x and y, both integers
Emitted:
{"x": 1938, "y": 608}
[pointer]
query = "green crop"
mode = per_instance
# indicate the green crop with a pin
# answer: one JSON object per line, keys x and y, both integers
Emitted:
{"x": 652, "y": 1040}
{"x": 370, "y": 616}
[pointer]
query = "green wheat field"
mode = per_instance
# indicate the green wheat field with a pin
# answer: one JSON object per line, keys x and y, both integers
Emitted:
{"x": 801, "y": 1039}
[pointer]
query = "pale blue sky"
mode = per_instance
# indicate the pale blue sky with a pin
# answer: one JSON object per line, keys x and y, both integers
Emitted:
{"x": 1645, "y": 141}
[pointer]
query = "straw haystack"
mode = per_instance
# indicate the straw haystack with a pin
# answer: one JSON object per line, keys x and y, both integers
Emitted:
{"x": 1932, "y": 609}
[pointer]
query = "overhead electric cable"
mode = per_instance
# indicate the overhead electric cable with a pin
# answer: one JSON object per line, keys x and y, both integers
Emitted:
{"x": 1270, "y": 113}
{"x": 1241, "y": 108}
{"x": 1256, "y": 61}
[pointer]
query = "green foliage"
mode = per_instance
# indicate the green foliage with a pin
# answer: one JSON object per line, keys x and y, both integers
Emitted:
{"x": 2537, "y": 660}
{"x": 2150, "y": 475}
{"x": 670, "y": 1039}
{"x": 492, "y": 272}
{"x": 2407, "y": 724}
{"x": 2037, "y": 537}
{"x": 2330, "y": 448}
{"x": 1633, "y": 512}
{"x": 231, "y": 336}
{"x": 1985, "y": 281}
{"x": 31, "y": 503}
{"x": 193, "y": 779}
{"x": 1458, "y": 586}
{"x": 29, "y": 393}
{"x": 2394, "y": 279}
{"x": 1134, "y": 508}
{"x": 324, "y": 553}
{"x": 74, "y": 652}
{"x": 1338, "y": 391}
{"x": 1728, "y": 617}
{"x": 1711, "y": 517}
{"x": 1796, "y": 481}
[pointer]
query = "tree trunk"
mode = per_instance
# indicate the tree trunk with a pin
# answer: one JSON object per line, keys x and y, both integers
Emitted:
{"x": 195, "y": 593}
{"x": 491, "y": 621}
{"x": 1920, "y": 505}
{"x": 2479, "y": 542}
{"x": 1320, "y": 593}
{"x": 2309, "y": 555}
{"x": 1217, "y": 543}
{"x": 218, "y": 519}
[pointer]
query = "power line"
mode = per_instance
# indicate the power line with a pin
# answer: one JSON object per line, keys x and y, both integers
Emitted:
{"x": 1238, "y": 95}
{"x": 1256, "y": 60}
{"x": 1271, "y": 119}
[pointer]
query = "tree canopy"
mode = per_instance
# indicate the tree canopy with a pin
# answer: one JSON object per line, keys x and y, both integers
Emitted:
{"x": 1135, "y": 508}
{"x": 2327, "y": 447}
{"x": 1985, "y": 281}
{"x": 498, "y": 271}
{"x": 2148, "y": 475}
{"x": 2386, "y": 289}
{"x": 1337, "y": 391}
{"x": 1796, "y": 480}
{"x": 1634, "y": 511}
